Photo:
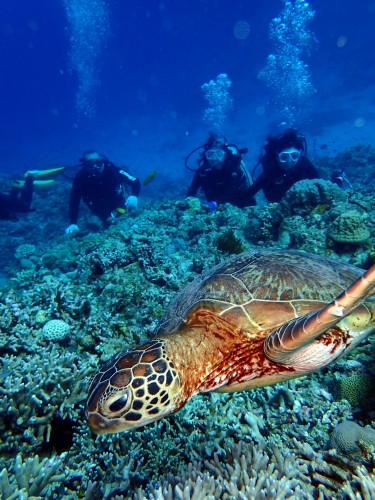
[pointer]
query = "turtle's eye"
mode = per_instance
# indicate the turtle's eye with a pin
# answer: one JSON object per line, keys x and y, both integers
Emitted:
{"x": 115, "y": 406}
{"x": 118, "y": 404}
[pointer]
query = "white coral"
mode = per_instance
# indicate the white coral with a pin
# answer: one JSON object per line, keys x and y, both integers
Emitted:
{"x": 55, "y": 330}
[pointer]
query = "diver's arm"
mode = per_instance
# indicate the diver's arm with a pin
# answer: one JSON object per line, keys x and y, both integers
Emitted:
{"x": 136, "y": 187}
{"x": 130, "y": 180}
{"x": 75, "y": 199}
{"x": 194, "y": 186}
{"x": 26, "y": 194}
{"x": 256, "y": 186}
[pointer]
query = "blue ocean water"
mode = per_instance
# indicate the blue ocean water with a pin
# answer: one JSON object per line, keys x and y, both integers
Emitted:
{"x": 137, "y": 69}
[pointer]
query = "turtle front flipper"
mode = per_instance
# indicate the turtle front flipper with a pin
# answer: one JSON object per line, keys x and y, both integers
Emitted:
{"x": 293, "y": 342}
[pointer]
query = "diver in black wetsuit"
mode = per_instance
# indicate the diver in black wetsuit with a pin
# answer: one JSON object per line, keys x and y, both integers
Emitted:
{"x": 284, "y": 163}
{"x": 221, "y": 174}
{"x": 101, "y": 185}
{"x": 18, "y": 200}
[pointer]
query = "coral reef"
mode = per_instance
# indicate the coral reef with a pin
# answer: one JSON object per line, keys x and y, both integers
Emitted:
{"x": 110, "y": 286}
{"x": 32, "y": 478}
{"x": 306, "y": 195}
{"x": 228, "y": 242}
{"x": 357, "y": 162}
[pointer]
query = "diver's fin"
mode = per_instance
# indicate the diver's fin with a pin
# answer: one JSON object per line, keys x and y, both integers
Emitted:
{"x": 41, "y": 173}
{"x": 44, "y": 183}
{"x": 19, "y": 184}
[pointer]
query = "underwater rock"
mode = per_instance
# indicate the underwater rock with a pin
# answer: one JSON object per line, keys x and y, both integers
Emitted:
{"x": 305, "y": 195}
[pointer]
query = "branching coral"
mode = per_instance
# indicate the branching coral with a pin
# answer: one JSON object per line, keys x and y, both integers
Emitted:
{"x": 36, "y": 388}
{"x": 33, "y": 478}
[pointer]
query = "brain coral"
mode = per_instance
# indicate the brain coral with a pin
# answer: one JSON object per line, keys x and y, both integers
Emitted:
{"x": 55, "y": 330}
{"x": 346, "y": 436}
{"x": 349, "y": 227}
{"x": 25, "y": 251}
{"x": 357, "y": 388}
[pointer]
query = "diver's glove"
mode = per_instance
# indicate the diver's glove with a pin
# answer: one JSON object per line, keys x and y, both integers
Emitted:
{"x": 131, "y": 202}
{"x": 71, "y": 229}
{"x": 212, "y": 205}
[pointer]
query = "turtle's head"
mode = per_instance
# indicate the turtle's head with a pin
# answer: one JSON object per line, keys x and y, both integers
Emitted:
{"x": 133, "y": 389}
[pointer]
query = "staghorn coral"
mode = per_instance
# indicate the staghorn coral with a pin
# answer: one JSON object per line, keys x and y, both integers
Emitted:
{"x": 362, "y": 485}
{"x": 247, "y": 471}
{"x": 331, "y": 473}
{"x": 33, "y": 478}
{"x": 264, "y": 472}
{"x": 35, "y": 389}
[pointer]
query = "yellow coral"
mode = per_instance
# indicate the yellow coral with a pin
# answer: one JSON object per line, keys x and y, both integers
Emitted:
{"x": 41, "y": 316}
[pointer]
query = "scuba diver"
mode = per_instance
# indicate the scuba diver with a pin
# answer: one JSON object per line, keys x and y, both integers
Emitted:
{"x": 221, "y": 174}
{"x": 102, "y": 186}
{"x": 19, "y": 199}
{"x": 284, "y": 163}
{"x": 339, "y": 178}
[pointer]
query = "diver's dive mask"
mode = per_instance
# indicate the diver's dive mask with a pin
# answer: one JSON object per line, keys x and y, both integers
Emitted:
{"x": 288, "y": 158}
{"x": 95, "y": 166}
{"x": 216, "y": 155}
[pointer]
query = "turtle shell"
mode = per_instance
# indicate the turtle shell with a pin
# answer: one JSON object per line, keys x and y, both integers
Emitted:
{"x": 260, "y": 290}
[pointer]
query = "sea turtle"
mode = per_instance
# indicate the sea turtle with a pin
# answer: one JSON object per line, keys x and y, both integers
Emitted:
{"x": 259, "y": 318}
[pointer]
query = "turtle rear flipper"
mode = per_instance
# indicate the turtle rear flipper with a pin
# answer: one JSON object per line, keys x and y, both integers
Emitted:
{"x": 293, "y": 342}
